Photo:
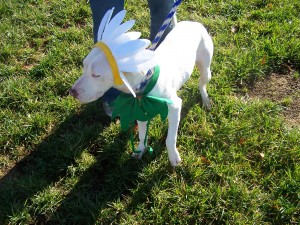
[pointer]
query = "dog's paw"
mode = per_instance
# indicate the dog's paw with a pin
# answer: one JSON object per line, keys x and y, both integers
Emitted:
{"x": 175, "y": 158}
{"x": 207, "y": 104}
{"x": 138, "y": 154}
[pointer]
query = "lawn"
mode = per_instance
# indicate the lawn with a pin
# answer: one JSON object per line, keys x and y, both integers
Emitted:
{"x": 62, "y": 162}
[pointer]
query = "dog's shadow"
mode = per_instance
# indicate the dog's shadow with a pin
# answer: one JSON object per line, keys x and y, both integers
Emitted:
{"x": 113, "y": 174}
{"x": 107, "y": 181}
{"x": 49, "y": 161}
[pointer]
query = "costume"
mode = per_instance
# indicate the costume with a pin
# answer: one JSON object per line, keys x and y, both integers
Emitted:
{"x": 125, "y": 53}
{"x": 159, "y": 9}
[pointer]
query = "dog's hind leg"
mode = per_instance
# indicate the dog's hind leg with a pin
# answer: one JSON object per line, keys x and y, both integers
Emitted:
{"x": 205, "y": 76}
{"x": 142, "y": 127}
{"x": 174, "y": 119}
{"x": 203, "y": 60}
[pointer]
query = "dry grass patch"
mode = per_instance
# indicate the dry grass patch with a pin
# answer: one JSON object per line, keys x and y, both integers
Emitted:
{"x": 283, "y": 89}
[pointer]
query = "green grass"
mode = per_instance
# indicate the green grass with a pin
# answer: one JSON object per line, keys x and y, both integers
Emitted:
{"x": 65, "y": 163}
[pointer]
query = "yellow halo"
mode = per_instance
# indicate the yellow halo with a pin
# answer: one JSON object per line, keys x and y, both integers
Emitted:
{"x": 112, "y": 62}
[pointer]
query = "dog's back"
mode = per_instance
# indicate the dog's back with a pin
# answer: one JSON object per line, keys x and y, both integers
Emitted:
{"x": 188, "y": 43}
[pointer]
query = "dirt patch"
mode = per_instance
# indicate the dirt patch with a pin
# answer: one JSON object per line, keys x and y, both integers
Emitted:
{"x": 284, "y": 90}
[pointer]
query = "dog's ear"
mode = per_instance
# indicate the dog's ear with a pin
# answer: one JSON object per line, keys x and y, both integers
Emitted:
{"x": 89, "y": 58}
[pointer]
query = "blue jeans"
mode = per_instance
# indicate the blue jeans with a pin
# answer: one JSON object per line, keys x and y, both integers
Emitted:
{"x": 159, "y": 10}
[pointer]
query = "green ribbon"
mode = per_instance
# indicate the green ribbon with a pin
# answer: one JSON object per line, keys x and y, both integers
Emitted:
{"x": 142, "y": 108}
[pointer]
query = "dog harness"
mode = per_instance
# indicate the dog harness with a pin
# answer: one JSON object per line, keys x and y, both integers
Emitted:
{"x": 143, "y": 108}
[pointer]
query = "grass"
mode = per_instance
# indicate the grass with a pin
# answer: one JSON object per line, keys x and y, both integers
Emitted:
{"x": 65, "y": 163}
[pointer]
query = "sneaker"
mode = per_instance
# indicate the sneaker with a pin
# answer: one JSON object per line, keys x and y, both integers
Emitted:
{"x": 108, "y": 109}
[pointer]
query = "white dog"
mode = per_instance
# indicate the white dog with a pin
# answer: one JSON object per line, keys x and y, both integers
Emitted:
{"x": 186, "y": 45}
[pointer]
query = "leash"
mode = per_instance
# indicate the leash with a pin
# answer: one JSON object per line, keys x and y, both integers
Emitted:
{"x": 149, "y": 74}
{"x": 157, "y": 38}
{"x": 164, "y": 25}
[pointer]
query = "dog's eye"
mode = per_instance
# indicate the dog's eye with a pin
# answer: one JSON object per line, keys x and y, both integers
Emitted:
{"x": 95, "y": 75}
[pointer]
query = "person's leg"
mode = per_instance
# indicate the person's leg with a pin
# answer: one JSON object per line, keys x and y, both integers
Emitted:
{"x": 99, "y": 8}
{"x": 159, "y": 10}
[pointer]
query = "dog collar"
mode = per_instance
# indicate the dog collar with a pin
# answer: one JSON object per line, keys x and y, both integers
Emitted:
{"x": 111, "y": 61}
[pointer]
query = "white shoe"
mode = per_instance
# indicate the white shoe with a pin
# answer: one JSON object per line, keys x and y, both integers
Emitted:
{"x": 108, "y": 109}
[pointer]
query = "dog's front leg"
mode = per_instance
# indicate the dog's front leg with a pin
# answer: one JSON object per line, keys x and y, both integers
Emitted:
{"x": 174, "y": 119}
{"x": 142, "y": 127}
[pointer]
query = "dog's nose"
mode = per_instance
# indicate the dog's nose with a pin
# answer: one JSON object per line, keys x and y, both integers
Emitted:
{"x": 73, "y": 92}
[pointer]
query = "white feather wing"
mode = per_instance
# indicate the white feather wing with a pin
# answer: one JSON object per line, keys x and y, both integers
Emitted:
{"x": 124, "y": 27}
{"x": 127, "y": 84}
{"x": 123, "y": 38}
{"x": 130, "y": 48}
{"x": 130, "y": 64}
{"x": 114, "y": 24}
{"x": 135, "y": 68}
{"x": 103, "y": 23}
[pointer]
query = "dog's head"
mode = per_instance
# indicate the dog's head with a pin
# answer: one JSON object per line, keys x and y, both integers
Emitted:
{"x": 117, "y": 51}
{"x": 96, "y": 79}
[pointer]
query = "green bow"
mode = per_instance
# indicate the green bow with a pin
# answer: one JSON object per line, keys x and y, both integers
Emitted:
{"x": 142, "y": 108}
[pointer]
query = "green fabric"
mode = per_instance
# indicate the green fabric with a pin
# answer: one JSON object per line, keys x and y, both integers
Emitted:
{"x": 152, "y": 81}
{"x": 142, "y": 108}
